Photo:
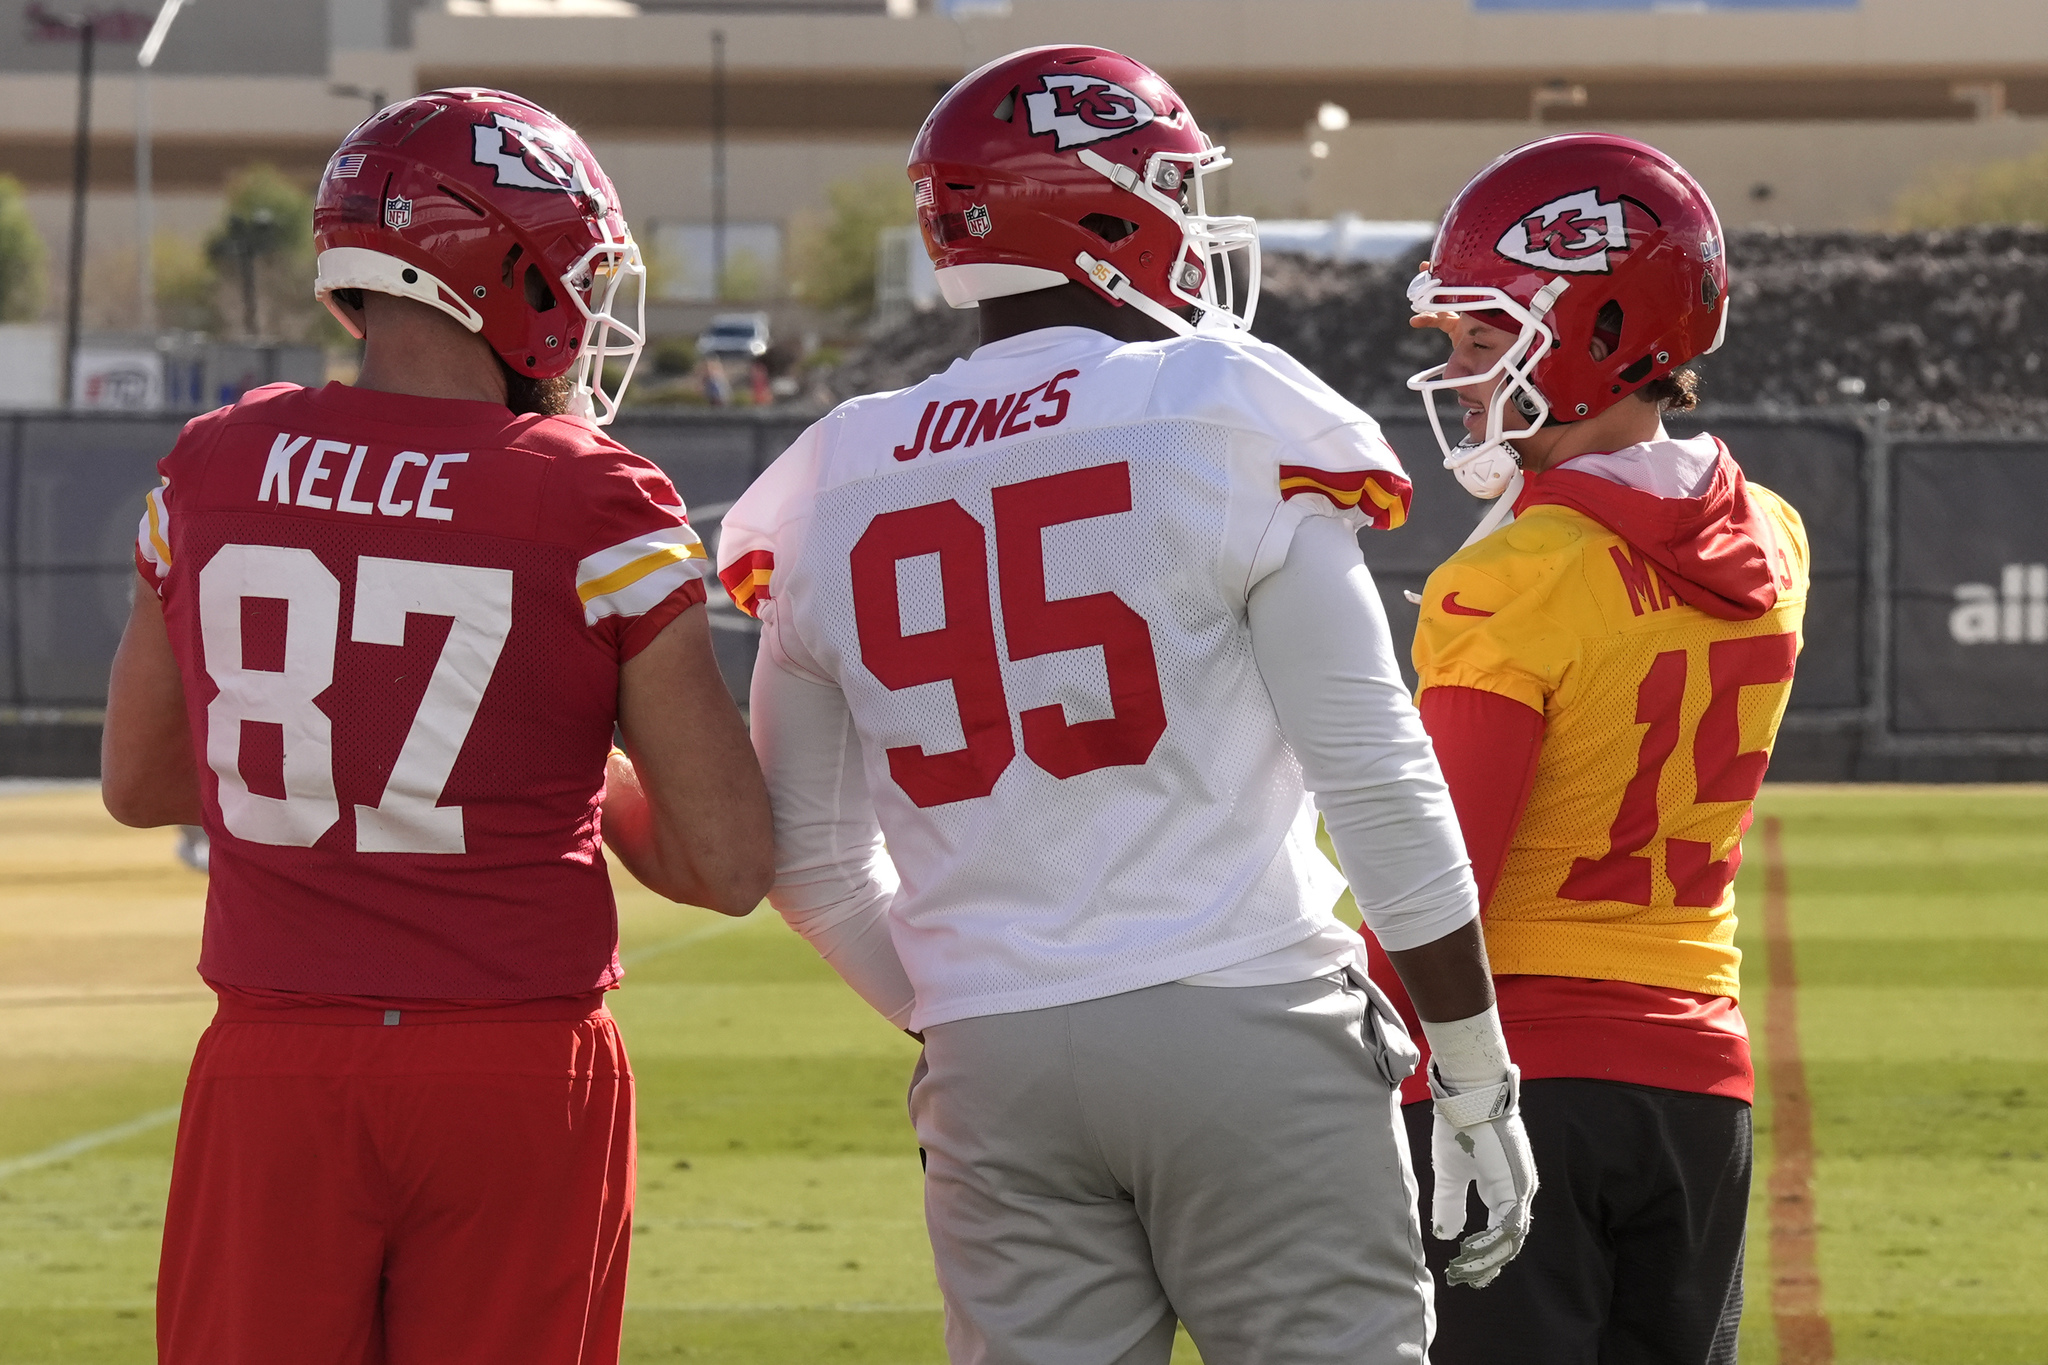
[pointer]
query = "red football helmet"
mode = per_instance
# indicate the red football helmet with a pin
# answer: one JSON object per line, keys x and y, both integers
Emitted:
{"x": 1077, "y": 163}
{"x": 1569, "y": 239}
{"x": 491, "y": 209}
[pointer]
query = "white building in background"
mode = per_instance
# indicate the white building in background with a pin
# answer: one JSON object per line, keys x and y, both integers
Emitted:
{"x": 1346, "y": 237}
{"x": 1810, "y": 114}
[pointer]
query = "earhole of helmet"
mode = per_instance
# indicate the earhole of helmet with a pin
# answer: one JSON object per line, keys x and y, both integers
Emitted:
{"x": 1109, "y": 227}
{"x": 538, "y": 296}
{"x": 1606, "y": 339}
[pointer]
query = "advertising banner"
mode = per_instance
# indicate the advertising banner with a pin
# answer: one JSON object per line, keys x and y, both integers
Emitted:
{"x": 1970, "y": 588}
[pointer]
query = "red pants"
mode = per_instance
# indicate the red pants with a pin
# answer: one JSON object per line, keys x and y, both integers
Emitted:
{"x": 350, "y": 1193}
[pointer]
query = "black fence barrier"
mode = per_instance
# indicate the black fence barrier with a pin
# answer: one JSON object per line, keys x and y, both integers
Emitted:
{"x": 1926, "y": 652}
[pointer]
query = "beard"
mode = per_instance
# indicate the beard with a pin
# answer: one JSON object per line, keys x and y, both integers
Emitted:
{"x": 542, "y": 397}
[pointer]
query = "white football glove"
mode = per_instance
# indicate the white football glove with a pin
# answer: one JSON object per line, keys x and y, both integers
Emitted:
{"x": 1478, "y": 1136}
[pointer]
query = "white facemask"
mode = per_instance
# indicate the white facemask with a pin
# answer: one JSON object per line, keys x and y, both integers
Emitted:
{"x": 1484, "y": 466}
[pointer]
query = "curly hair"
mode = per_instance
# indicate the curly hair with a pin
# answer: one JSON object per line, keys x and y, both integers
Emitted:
{"x": 1678, "y": 391}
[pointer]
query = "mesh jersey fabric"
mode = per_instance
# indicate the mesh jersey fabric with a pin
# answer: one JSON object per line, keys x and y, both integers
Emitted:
{"x": 400, "y": 622}
{"x": 1038, "y": 624}
{"x": 1659, "y": 719}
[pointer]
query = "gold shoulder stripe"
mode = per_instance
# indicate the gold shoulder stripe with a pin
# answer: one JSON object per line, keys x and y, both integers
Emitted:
{"x": 638, "y": 569}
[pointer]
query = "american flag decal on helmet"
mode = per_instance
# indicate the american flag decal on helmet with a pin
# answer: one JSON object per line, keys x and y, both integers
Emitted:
{"x": 746, "y": 580}
{"x": 347, "y": 165}
{"x": 1381, "y": 495}
{"x": 923, "y": 190}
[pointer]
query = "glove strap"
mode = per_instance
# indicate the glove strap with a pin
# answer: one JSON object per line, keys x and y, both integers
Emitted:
{"x": 1474, "y": 1107}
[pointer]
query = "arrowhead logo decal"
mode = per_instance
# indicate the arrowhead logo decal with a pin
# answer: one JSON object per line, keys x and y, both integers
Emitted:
{"x": 1573, "y": 234}
{"x": 1077, "y": 110}
{"x": 528, "y": 158}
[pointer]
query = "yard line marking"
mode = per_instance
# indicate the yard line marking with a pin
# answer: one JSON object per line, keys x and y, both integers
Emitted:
{"x": 13, "y": 997}
{"x": 725, "y": 925}
{"x": 1804, "y": 1336}
{"x": 63, "y": 1151}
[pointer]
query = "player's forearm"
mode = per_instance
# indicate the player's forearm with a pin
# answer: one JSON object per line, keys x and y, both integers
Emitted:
{"x": 148, "y": 775}
{"x": 1447, "y": 978}
{"x": 692, "y": 820}
{"x": 630, "y": 835}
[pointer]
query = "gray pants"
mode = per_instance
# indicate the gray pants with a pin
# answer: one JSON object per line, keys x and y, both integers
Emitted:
{"x": 1233, "y": 1158}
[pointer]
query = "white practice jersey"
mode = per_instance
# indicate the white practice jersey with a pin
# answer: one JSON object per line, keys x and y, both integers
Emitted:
{"x": 1028, "y": 576}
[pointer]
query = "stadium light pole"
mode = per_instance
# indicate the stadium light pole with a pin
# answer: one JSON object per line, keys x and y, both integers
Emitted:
{"x": 717, "y": 165}
{"x": 145, "y": 210}
{"x": 81, "y": 171}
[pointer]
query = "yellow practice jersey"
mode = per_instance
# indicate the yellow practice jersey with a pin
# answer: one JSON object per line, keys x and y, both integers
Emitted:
{"x": 1658, "y": 724}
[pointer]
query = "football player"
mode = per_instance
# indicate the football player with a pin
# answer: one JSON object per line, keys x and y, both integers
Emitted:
{"x": 382, "y": 636}
{"x": 1071, "y": 626}
{"x": 1602, "y": 669}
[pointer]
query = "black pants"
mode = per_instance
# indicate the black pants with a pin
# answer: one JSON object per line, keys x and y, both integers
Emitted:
{"x": 1634, "y": 1256}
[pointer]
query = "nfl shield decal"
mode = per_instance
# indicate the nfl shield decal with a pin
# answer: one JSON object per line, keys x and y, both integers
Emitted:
{"x": 978, "y": 221}
{"x": 398, "y": 213}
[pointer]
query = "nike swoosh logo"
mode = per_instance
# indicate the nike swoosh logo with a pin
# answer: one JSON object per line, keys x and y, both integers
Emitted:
{"x": 1451, "y": 606}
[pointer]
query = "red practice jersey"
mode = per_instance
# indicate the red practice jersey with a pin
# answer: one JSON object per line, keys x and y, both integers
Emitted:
{"x": 400, "y": 623}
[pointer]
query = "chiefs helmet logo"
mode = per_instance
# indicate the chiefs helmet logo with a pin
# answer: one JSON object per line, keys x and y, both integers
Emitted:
{"x": 1574, "y": 233}
{"x": 528, "y": 158}
{"x": 1077, "y": 110}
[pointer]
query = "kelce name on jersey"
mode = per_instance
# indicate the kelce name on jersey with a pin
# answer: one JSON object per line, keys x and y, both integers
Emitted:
{"x": 277, "y": 483}
{"x": 985, "y": 419}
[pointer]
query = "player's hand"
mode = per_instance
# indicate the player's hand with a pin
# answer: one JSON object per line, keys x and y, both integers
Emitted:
{"x": 1478, "y": 1136}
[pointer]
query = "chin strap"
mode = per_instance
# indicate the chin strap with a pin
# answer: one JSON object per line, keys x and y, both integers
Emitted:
{"x": 1118, "y": 286}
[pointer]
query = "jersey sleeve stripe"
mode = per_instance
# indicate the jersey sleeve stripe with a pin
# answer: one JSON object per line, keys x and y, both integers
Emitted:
{"x": 1386, "y": 493}
{"x": 612, "y": 558}
{"x": 746, "y": 580}
{"x": 631, "y": 572}
{"x": 153, "y": 536}
{"x": 644, "y": 591}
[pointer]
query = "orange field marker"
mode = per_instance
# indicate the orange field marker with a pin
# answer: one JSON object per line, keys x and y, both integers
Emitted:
{"x": 1804, "y": 1337}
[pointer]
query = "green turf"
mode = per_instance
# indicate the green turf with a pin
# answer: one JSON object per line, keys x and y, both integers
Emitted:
{"x": 779, "y": 1219}
{"x": 47, "y": 1100}
{"x": 1921, "y": 922}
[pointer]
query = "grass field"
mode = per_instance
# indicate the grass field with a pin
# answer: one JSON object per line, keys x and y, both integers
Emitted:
{"x": 779, "y": 1219}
